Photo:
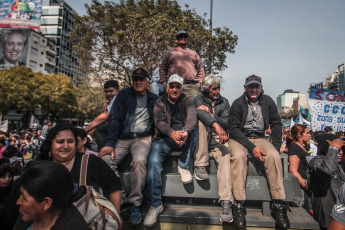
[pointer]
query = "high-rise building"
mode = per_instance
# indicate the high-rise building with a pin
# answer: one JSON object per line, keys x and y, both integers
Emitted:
{"x": 57, "y": 22}
{"x": 285, "y": 100}
{"x": 289, "y": 102}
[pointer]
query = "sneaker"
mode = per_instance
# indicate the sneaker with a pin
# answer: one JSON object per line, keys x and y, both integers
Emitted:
{"x": 135, "y": 215}
{"x": 186, "y": 177}
{"x": 152, "y": 214}
{"x": 200, "y": 173}
{"x": 280, "y": 214}
{"x": 239, "y": 214}
{"x": 226, "y": 214}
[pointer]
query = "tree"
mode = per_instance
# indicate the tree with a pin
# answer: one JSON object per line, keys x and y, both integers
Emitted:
{"x": 122, "y": 36}
{"x": 55, "y": 95}
{"x": 90, "y": 102}
{"x": 22, "y": 89}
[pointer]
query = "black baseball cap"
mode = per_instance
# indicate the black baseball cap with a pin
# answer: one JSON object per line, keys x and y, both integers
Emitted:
{"x": 180, "y": 33}
{"x": 253, "y": 79}
{"x": 140, "y": 72}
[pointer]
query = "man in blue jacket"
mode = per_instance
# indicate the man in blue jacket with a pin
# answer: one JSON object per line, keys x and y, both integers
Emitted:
{"x": 250, "y": 115}
{"x": 130, "y": 130}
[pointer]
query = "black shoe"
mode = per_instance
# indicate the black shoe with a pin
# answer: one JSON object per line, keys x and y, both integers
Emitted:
{"x": 280, "y": 214}
{"x": 239, "y": 213}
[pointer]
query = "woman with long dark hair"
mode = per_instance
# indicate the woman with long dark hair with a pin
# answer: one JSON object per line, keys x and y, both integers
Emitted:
{"x": 60, "y": 146}
{"x": 299, "y": 156}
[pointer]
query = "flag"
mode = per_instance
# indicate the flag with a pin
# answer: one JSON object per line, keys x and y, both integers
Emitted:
{"x": 292, "y": 123}
{"x": 297, "y": 119}
{"x": 305, "y": 122}
{"x": 302, "y": 111}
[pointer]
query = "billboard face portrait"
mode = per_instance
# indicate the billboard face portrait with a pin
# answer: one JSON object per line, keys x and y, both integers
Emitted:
{"x": 13, "y": 47}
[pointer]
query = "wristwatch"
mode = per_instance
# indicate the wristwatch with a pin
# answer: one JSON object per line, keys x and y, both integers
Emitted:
{"x": 184, "y": 129}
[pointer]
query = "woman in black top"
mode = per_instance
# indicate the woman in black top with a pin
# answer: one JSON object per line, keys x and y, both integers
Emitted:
{"x": 299, "y": 158}
{"x": 60, "y": 146}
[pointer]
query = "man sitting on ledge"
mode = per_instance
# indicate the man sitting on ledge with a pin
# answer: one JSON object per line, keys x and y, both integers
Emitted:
{"x": 213, "y": 114}
{"x": 250, "y": 115}
{"x": 175, "y": 118}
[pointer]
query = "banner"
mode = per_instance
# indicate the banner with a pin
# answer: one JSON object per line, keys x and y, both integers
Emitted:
{"x": 13, "y": 50}
{"x": 4, "y": 126}
{"x": 326, "y": 95}
{"x": 20, "y": 13}
{"x": 325, "y": 113}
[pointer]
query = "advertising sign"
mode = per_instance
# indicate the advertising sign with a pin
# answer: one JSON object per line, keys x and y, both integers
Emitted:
{"x": 327, "y": 108}
{"x": 20, "y": 13}
{"x": 13, "y": 50}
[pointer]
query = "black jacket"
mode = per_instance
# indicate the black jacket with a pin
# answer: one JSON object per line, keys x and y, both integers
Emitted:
{"x": 325, "y": 179}
{"x": 70, "y": 218}
{"x": 238, "y": 115}
{"x": 222, "y": 110}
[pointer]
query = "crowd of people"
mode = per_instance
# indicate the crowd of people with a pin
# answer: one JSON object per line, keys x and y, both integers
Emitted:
{"x": 191, "y": 117}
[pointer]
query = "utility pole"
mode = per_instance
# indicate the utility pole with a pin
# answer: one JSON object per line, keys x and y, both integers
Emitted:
{"x": 210, "y": 57}
{"x": 211, "y": 12}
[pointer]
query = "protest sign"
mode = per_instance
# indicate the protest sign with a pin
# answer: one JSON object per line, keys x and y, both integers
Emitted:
{"x": 327, "y": 108}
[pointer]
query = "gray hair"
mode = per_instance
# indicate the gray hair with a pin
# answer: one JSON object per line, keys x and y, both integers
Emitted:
{"x": 210, "y": 80}
{"x": 7, "y": 33}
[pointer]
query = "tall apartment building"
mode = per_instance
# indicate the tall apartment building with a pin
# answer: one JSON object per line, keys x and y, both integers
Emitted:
{"x": 285, "y": 100}
{"x": 57, "y": 22}
{"x": 291, "y": 101}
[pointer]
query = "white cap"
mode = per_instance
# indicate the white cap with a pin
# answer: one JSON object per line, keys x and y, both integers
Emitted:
{"x": 175, "y": 78}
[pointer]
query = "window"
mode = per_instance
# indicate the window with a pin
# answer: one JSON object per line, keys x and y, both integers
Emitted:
{"x": 33, "y": 64}
{"x": 35, "y": 38}
{"x": 34, "y": 50}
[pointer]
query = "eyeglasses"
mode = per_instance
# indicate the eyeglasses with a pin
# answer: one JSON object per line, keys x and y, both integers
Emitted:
{"x": 175, "y": 86}
{"x": 181, "y": 37}
{"x": 138, "y": 78}
{"x": 253, "y": 86}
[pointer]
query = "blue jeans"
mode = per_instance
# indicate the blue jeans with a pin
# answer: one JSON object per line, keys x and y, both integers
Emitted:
{"x": 159, "y": 150}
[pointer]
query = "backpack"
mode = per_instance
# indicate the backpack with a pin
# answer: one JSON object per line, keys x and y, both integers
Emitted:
{"x": 98, "y": 211}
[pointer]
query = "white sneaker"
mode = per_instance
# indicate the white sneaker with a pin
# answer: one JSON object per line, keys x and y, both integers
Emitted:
{"x": 186, "y": 177}
{"x": 151, "y": 216}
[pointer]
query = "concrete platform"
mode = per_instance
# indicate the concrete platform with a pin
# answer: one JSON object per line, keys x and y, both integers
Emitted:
{"x": 206, "y": 217}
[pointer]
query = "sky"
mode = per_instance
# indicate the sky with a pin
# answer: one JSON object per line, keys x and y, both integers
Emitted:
{"x": 290, "y": 44}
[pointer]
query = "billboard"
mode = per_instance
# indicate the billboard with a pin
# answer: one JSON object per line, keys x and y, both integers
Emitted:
{"x": 20, "y": 13}
{"x": 14, "y": 46}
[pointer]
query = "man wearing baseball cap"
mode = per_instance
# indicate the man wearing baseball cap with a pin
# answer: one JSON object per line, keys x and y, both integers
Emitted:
{"x": 130, "y": 129}
{"x": 186, "y": 63}
{"x": 250, "y": 115}
{"x": 175, "y": 119}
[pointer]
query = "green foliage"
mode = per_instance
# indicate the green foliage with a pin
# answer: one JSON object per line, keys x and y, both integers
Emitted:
{"x": 122, "y": 36}
{"x": 90, "y": 102}
{"x": 55, "y": 95}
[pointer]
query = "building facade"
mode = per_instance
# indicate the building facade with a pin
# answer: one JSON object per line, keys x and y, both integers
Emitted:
{"x": 285, "y": 100}
{"x": 57, "y": 21}
{"x": 289, "y": 103}
{"x": 335, "y": 81}
{"x": 41, "y": 53}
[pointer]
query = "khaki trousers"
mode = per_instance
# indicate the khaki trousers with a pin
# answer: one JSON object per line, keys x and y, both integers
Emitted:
{"x": 139, "y": 147}
{"x": 272, "y": 164}
{"x": 191, "y": 89}
{"x": 202, "y": 159}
